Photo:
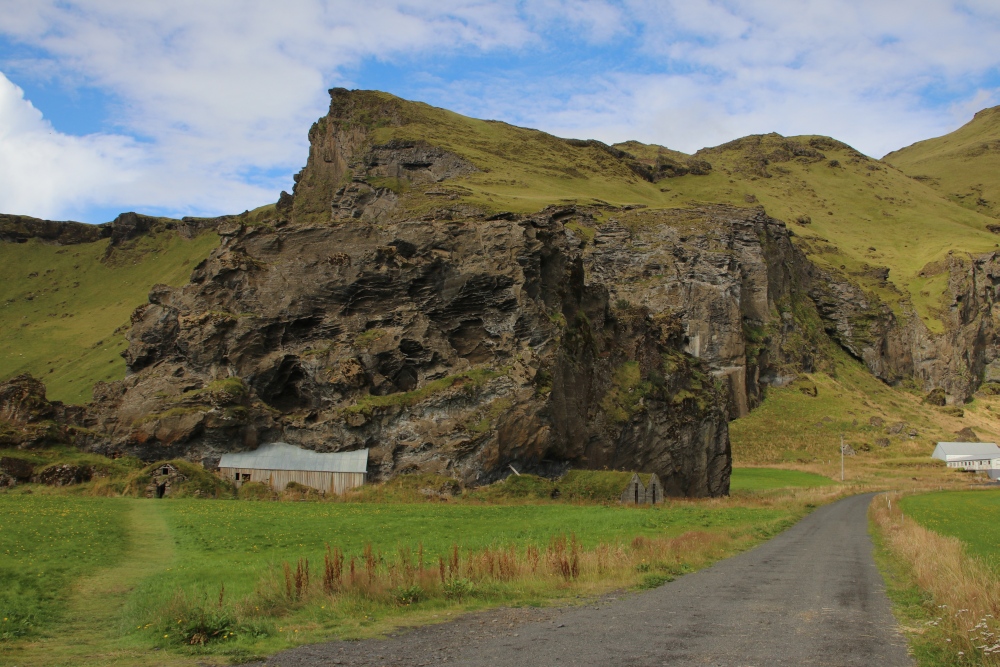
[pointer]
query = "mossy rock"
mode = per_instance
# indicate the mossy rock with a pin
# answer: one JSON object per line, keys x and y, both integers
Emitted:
{"x": 936, "y": 397}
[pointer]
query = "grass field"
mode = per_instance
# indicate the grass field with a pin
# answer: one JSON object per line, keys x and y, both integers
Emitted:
{"x": 937, "y": 552}
{"x": 47, "y": 543}
{"x": 168, "y": 562}
{"x": 971, "y": 516}
{"x": 65, "y": 311}
{"x": 759, "y": 479}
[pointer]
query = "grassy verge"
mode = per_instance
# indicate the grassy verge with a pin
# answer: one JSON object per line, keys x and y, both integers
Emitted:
{"x": 226, "y": 580}
{"x": 970, "y": 516}
{"x": 947, "y": 600}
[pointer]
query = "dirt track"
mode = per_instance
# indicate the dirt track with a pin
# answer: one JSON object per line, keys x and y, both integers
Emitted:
{"x": 810, "y": 596}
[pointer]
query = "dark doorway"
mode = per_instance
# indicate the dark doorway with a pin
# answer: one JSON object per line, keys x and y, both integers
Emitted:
{"x": 636, "y": 494}
{"x": 161, "y": 490}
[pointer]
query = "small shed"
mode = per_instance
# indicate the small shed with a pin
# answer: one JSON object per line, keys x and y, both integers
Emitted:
{"x": 163, "y": 479}
{"x": 635, "y": 492}
{"x": 654, "y": 490}
{"x": 278, "y": 463}
{"x": 974, "y": 456}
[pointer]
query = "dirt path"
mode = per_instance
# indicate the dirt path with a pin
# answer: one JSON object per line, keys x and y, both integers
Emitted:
{"x": 810, "y": 596}
{"x": 91, "y": 633}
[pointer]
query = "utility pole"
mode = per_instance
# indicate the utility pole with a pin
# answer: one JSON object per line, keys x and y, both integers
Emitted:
{"x": 841, "y": 457}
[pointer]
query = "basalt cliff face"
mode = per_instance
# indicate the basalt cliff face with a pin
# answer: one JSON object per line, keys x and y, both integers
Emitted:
{"x": 459, "y": 346}
{"x": 377, "y": 307}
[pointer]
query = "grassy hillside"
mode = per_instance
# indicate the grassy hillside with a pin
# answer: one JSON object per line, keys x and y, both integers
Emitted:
{"x": 64, "y": 310}
{"x": 891, "y": 430}
{"x": 964, "y": 165}
{"x": 856, "y": 215}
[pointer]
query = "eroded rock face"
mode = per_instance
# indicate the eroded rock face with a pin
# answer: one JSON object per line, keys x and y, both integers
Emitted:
{"x": 953, "y": 361}
{"x": 28, "y": 419}
{"x": 453, "y": 346}
{"x": 452, "y": 340}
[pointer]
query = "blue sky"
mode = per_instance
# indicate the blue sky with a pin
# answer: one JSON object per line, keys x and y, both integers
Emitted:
{"x": 194, "y": 108}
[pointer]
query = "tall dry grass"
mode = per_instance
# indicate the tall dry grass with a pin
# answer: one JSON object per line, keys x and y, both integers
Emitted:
{"x": 965, "y": 592}
{"x": 407, "y": 577}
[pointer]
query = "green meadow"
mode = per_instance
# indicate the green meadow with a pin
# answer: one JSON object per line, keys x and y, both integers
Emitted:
{"x": 85, "y": 578}
{"x": 761, "y": 479}
{"x": 46, "y": 544}
{"x": 971, "y": 516}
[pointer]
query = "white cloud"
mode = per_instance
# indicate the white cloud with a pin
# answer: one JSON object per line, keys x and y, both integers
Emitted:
{"x": 866, "y": 73}
{"x": 43, "y": 172}
{"x": 214, "y": 98}
{"x": 217, "y": 91}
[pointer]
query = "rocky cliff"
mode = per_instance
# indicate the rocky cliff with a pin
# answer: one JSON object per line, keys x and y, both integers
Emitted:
{"x": 379, "y": 306}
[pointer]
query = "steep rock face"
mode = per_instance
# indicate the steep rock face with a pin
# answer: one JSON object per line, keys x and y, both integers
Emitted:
{"x": 898, "y": 348}
{"x": 457, "y": 346}
{"x": 28, "y": 419}
{"x": 730, "y": 276}
{"x": 455, "y": 340}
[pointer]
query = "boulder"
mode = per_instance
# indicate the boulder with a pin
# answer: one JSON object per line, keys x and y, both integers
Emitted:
{"x": 18, "y": 469}
{"x": 64, "y": 475}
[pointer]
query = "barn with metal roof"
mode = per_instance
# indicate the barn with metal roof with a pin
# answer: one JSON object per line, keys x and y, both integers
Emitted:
{"x": 969, "y": 455}
{"x": 278, "y": 463}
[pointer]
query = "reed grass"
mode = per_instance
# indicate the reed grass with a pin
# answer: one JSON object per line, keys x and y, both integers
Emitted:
{"x": 958, "y": 620}
{"x": 409, "y": 578}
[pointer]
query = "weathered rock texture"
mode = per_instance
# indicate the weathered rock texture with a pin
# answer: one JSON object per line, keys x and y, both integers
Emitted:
{"x": 896, "y": 348}
{"x": 455, "y": 346}
{"x": 28, "y": 419}
{"x": 454, "y": 340}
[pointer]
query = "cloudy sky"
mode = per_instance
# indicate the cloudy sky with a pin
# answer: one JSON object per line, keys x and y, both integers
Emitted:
{"x": 188, "y": 107}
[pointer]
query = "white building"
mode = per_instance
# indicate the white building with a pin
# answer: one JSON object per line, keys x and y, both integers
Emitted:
{"x": 977, "y": 456}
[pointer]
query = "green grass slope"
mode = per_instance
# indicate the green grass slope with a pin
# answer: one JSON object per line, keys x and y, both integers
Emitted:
{"x": 64, "y": 310}
{"x": 858, "y": 215}
{"x": 963, "y": 165}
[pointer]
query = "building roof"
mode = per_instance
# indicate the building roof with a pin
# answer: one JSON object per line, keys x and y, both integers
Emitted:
{"x": 966, "y": 450}
{"x": 282, "y": 456}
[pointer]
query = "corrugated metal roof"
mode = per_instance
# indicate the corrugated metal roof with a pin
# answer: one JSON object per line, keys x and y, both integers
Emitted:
{"x": 282, "y": 456}
{"x": 972, "y": 450}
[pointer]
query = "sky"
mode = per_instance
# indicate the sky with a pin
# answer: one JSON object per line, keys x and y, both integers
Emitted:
{"x": 187, "y": 107}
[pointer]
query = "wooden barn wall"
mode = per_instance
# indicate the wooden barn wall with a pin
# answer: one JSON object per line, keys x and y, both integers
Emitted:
{"x": 327, "y": 482}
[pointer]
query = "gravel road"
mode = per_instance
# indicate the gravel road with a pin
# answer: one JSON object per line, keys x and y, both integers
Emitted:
{"x": 810, "y": 596}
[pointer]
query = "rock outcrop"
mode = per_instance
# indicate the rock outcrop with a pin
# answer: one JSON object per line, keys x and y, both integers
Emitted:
{"x": 125, "y": 227}
{"x": 28, "y": 420}
{"x": 894, "y": 348}
{"x": 378, "y": 308}
{"x": 456, "y": 346}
